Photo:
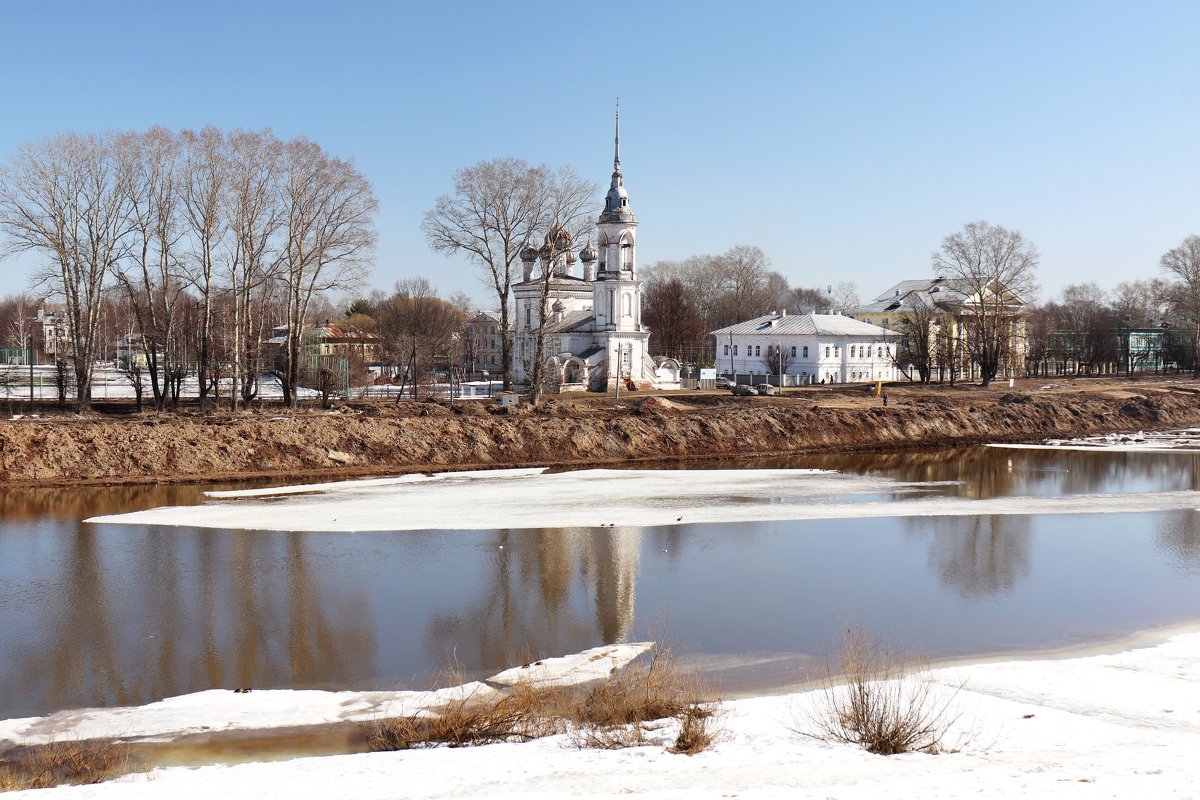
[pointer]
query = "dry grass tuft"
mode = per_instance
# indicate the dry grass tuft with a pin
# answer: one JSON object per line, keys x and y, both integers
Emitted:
{"x": 615, "y": 713}
{"x": 64, "y": 762}
{"x": 621, "y": 711}
{"x": 522, "y": 714}
{"x": 882, "y": 700}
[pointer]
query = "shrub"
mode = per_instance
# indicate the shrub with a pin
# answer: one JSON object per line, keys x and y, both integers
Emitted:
{"x": 64, "y": 762}
{"x": 881, "y": 699}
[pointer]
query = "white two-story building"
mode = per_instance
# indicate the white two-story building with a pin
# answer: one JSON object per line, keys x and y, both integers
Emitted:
{"x": 808, "y": 348}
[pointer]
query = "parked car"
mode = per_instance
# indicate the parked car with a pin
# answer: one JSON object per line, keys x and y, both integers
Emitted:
{"x": 724, "y": 383}
{"x": 766, "y": 388}
{"x": 742, "y": 390}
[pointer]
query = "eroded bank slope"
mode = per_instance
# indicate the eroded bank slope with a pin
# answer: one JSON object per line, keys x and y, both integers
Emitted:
{"x": 386, "y": 438}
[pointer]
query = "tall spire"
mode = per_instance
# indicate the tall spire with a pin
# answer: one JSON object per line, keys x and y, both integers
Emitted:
{"x": 617, "y": 141}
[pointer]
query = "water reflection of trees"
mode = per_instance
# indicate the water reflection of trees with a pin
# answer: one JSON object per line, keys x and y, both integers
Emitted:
{"x": 548, "y": 591}
{"x": 985, "y": 472}
{"x": 976, "y": 555}
{"x": 1178, "y": 534}
{"x": 155, "y": 612}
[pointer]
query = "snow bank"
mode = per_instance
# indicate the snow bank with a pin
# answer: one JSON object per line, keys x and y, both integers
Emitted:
{"x": 1124, "y": 725}
{"x": 226, "y": 710}
{"x": 588, "y": 498}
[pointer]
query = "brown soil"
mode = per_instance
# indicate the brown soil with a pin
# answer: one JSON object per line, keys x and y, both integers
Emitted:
{"x": 386, "y": 437}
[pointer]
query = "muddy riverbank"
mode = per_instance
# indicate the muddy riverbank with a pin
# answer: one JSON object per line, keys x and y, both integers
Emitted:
{"x": 382, "y": 438}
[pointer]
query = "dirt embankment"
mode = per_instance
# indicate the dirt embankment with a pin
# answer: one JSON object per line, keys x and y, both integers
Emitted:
{"x": 391, "y": 438}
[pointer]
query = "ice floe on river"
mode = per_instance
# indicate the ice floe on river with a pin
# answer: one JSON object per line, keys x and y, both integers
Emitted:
{"x": 1182, "y": 441}
{"x": 533, "y": 498}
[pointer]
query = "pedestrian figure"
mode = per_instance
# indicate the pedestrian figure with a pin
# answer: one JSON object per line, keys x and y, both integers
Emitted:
{"x": 885, "y": 399}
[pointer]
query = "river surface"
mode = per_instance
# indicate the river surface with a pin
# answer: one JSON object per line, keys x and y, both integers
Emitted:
{"x": 100, "y": 615}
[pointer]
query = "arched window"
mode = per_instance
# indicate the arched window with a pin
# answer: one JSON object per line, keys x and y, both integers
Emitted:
{"x": 806, "y": 351}
{"x": 794, "y": 351}
{"x": 756, "y": 350}
{"x": 628, "y": 304}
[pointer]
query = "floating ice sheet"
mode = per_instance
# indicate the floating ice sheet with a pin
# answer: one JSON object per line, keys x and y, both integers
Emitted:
{"x": 607, "y": 498}
{"x": 1181, "y": 441}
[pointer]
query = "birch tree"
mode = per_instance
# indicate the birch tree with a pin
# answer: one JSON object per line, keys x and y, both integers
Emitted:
{"x": 329, "y": 233}
{"x": 203, "y": 179}
{"x": 61, "y": 198}
{"x": 255, "y": 214}
{"x": 149, "y": 169}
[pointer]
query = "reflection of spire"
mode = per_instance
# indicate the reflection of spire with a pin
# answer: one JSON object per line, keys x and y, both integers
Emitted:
{"x": 617, "y": 553}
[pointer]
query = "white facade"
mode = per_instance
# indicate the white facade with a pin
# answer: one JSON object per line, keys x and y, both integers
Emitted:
{"x": 594, "y": 333}
{"x": 816, "y": 348}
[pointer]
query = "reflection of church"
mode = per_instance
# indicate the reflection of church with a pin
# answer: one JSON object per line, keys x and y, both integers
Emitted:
{"x": 594, "y": 331}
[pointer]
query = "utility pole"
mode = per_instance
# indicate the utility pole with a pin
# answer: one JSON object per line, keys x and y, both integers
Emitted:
{"x": 29, "y": 344}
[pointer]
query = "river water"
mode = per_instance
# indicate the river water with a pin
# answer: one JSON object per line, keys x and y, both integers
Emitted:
{"x": 102, "y": 614}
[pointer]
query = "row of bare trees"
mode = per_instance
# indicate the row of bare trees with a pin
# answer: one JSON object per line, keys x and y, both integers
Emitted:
{"x": 220, "y": 226}
{"x": 685, "y": 300}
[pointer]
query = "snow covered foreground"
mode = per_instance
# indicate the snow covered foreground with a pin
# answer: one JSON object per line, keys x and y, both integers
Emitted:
{"x": 1124, "y": 725}
{"x": 533, "y": 498}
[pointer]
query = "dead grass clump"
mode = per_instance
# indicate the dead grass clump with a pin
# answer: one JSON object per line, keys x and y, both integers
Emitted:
{"x": 518, "y": 715}
{"x": 621, "y": 711}
{"x": 882, "y": 700}
{"x": 64, "y": 762}
{"x": 697, "y": 729}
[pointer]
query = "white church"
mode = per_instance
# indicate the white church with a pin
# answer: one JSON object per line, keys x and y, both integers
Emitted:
{"x": 595, "y": 338}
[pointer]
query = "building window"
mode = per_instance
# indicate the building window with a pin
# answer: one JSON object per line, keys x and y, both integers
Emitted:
{"x": 726, "y": 349}
{"x": 528, "y": 317}
{"x": 735, "y": 349}
{"x": 793, "y": 351}
{"x": 806, "y": 351}
{"x": 827, "y": 351}
{"x": 756, "y": 350}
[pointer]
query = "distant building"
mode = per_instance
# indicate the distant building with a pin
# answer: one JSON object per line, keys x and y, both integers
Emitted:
{"x": 52, "y": 334}
{"x": 482, "y": 343}
{"x": 948, "y": 306}
{"x": 335, "y": 340}
{"x": 808, "y": 348}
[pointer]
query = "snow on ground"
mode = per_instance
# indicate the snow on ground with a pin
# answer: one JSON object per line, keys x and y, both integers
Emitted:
{"x": 1124, "y": 725}
{"x": 530, "y": 498}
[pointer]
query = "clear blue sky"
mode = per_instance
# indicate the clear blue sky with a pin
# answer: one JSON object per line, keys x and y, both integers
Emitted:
{"x": 844, "y": 138}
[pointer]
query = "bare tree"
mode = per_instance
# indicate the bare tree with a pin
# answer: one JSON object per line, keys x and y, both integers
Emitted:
{"x": 149, "y": 167}
{"x": 416, "y": 327}
{"x": 251, "y": 192}
{"x": 1183, "y": 263}
{"x": 203, "y": 182}
{"x": 674, "y": 323}
{"x": 996, "y": 267}
{"x": 61, "y": 197}
{"x": 493, "y": 213}
{"x": 843, "y": 297}
{"x": 918, "y": 327}
{"x": 329, "y": 210}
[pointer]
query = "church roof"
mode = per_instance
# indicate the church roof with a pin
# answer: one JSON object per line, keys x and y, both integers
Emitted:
{"x": 805, "y": 324}
{"x": 571, "y": 321}
{"x": 564, "y": 281}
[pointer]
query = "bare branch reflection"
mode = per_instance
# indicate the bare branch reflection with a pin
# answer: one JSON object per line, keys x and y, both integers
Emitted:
{"x": 549, "y": 591}
{"x": 977, "y": 556}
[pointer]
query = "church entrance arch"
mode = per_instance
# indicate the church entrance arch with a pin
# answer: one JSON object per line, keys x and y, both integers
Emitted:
{"x": 574, "y": 371}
